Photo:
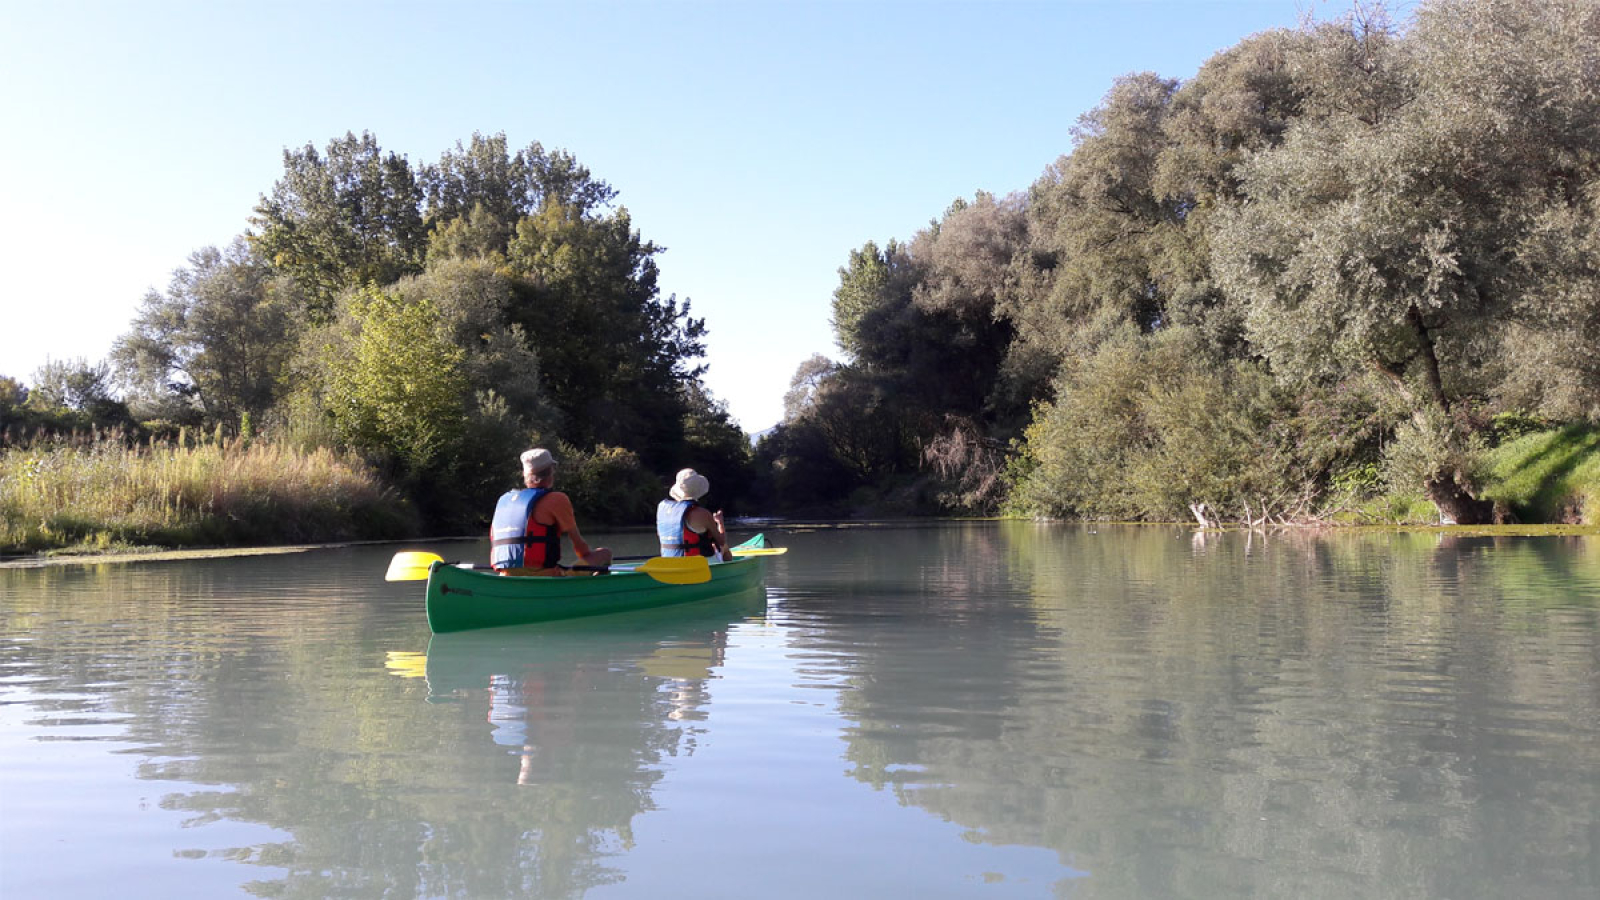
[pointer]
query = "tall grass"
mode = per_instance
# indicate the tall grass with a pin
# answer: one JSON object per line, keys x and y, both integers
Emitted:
{"x": 1549, "y": 476}
{"x": 104, "y": 493}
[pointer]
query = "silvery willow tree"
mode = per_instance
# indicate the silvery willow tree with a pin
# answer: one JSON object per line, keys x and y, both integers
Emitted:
{"x": 1431, "y": 217}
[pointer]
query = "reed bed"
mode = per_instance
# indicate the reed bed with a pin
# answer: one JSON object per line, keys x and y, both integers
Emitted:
{"x": 105, "y": 494}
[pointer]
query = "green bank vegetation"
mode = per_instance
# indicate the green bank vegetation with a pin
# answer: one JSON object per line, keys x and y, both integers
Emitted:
{"x": 104, "y": 494}
{"x": 1345, "y": 273}
{"x": 370, "y": 357}
{"x": 1313, "y": 282}
{"x": 1551, "y": 476}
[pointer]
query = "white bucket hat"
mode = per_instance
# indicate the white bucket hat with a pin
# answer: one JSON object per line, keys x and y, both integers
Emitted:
{"x": 537, "y": 460}
{"x": 691, "y": 485}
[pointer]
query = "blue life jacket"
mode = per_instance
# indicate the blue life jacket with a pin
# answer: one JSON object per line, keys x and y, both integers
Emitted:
{"x": 672, "y": 529}
{"x": 516, "y": 541}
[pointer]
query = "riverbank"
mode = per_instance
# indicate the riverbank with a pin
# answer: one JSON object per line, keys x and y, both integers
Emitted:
{"x": 104, "y": 500}
{"x": 107, "y": 496}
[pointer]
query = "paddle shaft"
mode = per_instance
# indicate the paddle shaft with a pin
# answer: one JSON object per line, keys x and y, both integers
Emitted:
{"x": 416, "y": 566}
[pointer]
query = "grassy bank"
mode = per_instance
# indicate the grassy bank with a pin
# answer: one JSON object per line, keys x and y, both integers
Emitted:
{"x": 1549, "y": 476}
{"x": 105, "y": 495}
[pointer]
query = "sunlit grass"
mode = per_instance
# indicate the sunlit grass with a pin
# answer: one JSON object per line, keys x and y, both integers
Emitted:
{"x": 1550, "y": 476}
{"x": 105, "y": 495}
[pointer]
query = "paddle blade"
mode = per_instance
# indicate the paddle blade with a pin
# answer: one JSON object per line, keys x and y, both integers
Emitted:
{"x": 411, "y": 565}
{"x": 759, "y": 551}
{"x": 677, "y": 569}
{"x": 755, "y": 543}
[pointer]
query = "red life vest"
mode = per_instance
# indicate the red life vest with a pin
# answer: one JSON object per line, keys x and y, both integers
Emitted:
{"x": 677, "y": 538}
{"x": 516, "y": 541}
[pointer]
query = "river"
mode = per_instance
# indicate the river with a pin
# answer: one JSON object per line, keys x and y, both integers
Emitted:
{"x": 997, "y": 709}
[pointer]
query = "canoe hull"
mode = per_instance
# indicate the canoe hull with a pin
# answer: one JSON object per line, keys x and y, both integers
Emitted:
{"x": 463, "y": 599}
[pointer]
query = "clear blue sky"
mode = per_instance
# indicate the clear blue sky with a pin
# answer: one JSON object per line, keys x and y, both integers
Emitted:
{"x": 758, "y": 141}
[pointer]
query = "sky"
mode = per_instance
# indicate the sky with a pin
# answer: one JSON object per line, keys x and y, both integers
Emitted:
{"x": 758, "y": 142}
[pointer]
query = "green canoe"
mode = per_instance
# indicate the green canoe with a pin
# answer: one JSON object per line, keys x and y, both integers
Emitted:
{"x": 460, "y": 599}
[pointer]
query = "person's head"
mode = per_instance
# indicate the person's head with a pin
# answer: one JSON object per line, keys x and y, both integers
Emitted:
{"x": 538, "y": 468}
{"x": 691, "y": 485}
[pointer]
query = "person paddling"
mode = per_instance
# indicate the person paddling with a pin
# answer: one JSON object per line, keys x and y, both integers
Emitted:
{"x": 525, "y": 538}
{"x": 686, "y": 528}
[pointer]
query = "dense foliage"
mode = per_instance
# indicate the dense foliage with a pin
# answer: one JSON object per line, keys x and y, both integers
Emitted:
{"x": 1315, "y": 280}
{"x": 432, "y": 320}
{"x": 1321, "y": 269}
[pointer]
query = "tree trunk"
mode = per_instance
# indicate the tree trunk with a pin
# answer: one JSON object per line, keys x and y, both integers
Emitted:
{"x": 1430, "y": 358}
{"x": 1456, "y": 505}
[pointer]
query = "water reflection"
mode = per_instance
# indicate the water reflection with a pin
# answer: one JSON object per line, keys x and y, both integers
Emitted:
{"x": 1280, "y": 715}
{"x": 932, "y": 709}
{"x": 191, "y": 670}
{"x": 554, "y": 690}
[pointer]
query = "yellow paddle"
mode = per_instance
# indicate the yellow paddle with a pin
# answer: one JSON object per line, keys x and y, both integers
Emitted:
{"x": 677, "y": 569}
{"x": 413, "y": 565}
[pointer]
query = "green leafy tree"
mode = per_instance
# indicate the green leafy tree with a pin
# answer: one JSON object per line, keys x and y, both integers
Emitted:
{"x": 347, "y": 217}
{"x": 503, "y": 188}
{"x": 1154, "y": 427}
{"x": 474, "y": 301}
{"x": 1099, "y": 221}
{"x": 612, "y": 353}
{"x": 219, "y": 338}
{"x": 395, "y": 387}
{"x": 873, "y": 294}
{"x": 967, "y": 275}
{"x": 13, "y": 406}
{"x": 927, "y": 314}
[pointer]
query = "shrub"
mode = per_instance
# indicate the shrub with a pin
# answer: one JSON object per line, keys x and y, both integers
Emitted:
{"x": 609, "y": 486}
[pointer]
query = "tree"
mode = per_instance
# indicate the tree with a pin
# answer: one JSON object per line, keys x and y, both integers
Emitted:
{"x": 13, "y": 393}
{"x": 474, "y": 301}
{"x": 1099, "y": 222}
{"x": 220, "y": 337}
{"x": 1401, "y": 225}
{"x": 967, "y": 268}
{"x": 806, "y": 384}
{"x": 874, "y": 289}
{"x": 350, "y": 217}
{"x": 612, "y": 353}
{"x": 13, "y": 405}
{"x": 506, "y": 188}
{"x": 1153, "y": 426}
{"x": 717, "y": 447}
{"x": 394, "y": 388}
{"x": 79, "y": 388}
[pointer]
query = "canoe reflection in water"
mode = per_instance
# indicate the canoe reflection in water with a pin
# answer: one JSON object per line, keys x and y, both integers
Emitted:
{"x": 564, "y": 697}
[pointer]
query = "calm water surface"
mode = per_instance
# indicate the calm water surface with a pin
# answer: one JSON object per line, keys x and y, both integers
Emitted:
{"x": 953, "y": 710}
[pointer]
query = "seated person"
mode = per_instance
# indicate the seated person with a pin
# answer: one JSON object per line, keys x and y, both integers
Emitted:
{"x": 684, "y": 526}
{"x": 525, "y": 538}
